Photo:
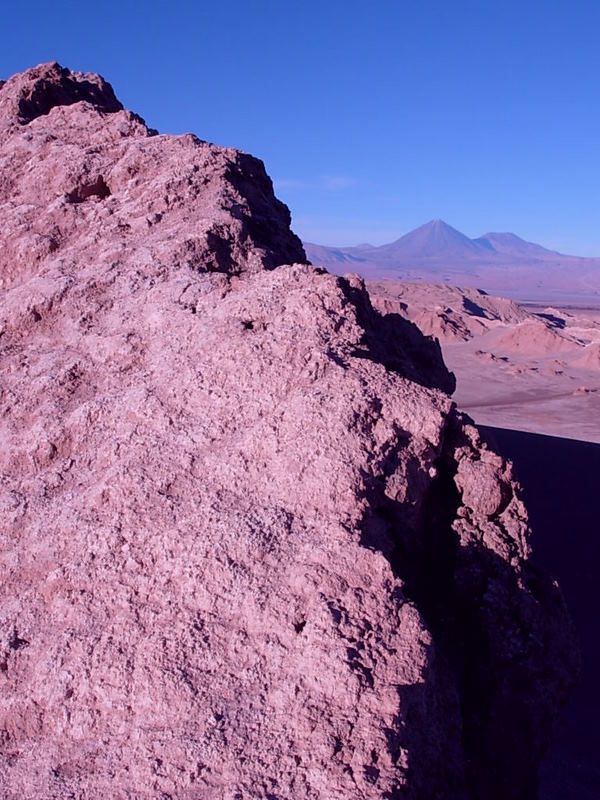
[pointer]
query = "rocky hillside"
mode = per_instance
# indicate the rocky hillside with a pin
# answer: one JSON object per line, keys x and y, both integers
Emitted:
{"x": 250, "y": 548}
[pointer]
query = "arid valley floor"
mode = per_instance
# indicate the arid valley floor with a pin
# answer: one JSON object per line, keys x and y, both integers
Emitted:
{"x": 521, "y": 366}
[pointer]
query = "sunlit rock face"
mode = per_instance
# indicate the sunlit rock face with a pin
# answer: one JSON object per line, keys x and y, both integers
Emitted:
{"x": 249, "y": 548}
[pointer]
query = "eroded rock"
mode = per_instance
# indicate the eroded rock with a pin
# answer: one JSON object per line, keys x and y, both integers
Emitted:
{"x": 250, "y": 548}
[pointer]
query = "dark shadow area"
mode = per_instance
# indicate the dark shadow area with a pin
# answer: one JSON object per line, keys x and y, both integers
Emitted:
{"x": 85, "y": 191}
{"x": 560, "y": 480}
{"x": 501, "y": 639}
{"x": 398, "y": 343}
{"x": 556, "y": 322}
{"x": 57, "y": 86}
{"x": 473, "y": 309}
{"x": 266, "y": 219}
{"x": 401, "y": 347}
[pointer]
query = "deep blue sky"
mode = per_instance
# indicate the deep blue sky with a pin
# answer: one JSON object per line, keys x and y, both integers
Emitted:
{"x": 372, "y": 118}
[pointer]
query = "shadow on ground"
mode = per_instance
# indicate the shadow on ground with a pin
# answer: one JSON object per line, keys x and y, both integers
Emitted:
{"x": 560, "y": 480}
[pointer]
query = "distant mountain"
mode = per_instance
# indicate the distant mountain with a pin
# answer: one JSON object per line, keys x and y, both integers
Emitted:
{"x": 498, "y": 262}
{"x": 435, "y": 239}
{"x": 509, "y": 244}
{"x": 320, "y": 254}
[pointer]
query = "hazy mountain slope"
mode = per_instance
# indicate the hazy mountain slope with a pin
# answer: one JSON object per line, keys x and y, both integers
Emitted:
{"x": 501, "y": 263}
{"x": 508, "y": 244}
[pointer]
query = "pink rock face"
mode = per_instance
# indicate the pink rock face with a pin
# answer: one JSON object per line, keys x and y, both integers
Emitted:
{"x": 85, "y": 178}
{"x": 250, "y": 549}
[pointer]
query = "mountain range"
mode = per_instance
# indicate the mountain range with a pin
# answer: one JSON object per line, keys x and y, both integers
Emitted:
{"x": 499, "y": 262}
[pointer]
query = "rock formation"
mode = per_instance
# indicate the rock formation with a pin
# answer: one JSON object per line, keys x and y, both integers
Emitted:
{"x": 250, "y": 549}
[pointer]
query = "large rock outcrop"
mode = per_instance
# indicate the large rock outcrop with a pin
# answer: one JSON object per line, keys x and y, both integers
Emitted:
{"x": 249, "y": 548}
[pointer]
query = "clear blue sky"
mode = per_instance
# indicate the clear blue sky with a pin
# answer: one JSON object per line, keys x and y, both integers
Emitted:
{"x": 372, "y": 118}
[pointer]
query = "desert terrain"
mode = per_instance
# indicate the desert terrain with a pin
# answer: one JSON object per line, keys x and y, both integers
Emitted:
{"x": 527, "y": 367}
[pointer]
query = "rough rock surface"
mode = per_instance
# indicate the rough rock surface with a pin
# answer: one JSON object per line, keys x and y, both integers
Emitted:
{"x": 249, "y": 548}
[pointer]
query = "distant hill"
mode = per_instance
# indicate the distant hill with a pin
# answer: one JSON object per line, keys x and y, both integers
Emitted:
{"x": 498, "y": 262}
{"x": 509, "y": 244}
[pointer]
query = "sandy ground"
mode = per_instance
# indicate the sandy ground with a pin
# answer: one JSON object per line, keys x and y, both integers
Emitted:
{"x": 542, "y": 394}
{"x": 551, "y": 392}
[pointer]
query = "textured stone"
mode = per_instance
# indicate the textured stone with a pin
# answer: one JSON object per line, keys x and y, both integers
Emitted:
{"x": 250, "y": 548}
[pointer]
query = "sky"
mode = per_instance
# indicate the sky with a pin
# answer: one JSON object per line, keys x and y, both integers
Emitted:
{"x": 372, "y": 118}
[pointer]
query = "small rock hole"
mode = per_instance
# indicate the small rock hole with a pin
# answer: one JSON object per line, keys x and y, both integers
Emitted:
{"x": 85, "y": 191}
{"x": 16, "y": 642}
{"x": 371, "y": 774}
{"x": 299, "y": 626}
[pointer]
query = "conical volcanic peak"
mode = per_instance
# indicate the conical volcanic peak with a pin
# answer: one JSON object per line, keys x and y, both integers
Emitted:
{"x": 435, "y": 239}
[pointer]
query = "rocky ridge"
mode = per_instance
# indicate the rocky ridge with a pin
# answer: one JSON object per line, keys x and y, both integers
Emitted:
{"x": 250, "y": 548}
